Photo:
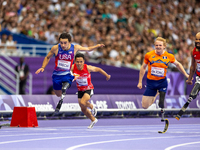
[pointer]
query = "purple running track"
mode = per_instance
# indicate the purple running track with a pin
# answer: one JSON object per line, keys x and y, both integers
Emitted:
{"x": 107, "y": 134}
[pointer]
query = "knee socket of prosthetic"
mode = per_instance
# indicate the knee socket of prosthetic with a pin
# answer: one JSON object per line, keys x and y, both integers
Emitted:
{"x": 194, "y": 91}
{"x": 65, "y": 86}
{"x": 161, "y": 99}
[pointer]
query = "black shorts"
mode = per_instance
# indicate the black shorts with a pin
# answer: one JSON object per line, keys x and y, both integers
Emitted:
{"x": 81, "y": 93}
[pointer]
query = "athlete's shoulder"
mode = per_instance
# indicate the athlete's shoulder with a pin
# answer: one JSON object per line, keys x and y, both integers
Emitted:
{"x": 55, "y": 47}
{"x": 194, "y": 50}
{"x": 87, "y": 66}
{"x": 148, "y": 54}
{"x": 151, "y": 52}
{"x": 169, "y": 54}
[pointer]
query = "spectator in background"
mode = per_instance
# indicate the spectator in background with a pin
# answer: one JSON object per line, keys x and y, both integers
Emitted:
{"x": 136, "y": 64}
{"x": 23, "y": 70}
{"x": 11, "y": 45}
{"x": 110, "y": 22}
{"x": 3, "y": 43}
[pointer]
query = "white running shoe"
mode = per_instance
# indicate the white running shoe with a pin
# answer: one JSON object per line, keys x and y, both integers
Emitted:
{"x": 94, "y": 111}
{"x": 92, "y": 124}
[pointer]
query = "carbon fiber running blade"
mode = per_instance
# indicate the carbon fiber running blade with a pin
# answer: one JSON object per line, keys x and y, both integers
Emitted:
{"x": 59, "y": 105}
{"x": 166, "y": 126}
{"x": 183, "y": 109}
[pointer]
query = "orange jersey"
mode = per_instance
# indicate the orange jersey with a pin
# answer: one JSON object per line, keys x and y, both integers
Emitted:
{"x": 158, "y": 64}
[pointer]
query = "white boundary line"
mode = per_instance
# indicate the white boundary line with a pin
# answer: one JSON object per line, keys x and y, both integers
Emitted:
{"x": 101, "y": 142}
{"x": 179, "y": 145}
{"x": 52, "y": 138}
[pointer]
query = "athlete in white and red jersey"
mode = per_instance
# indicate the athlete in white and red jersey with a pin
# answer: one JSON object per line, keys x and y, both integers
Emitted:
{"x": 195, "y": 66}
{"x": 85, "y": 86}
{"x": 64, "y": 54}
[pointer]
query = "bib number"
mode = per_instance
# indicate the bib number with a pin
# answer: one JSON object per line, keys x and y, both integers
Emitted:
{"x": 82, "y": 81}
{"x": 197, "y": 79}
{"x": 156, "y": 71}
{"x": 64, "y": 64}
{"x": 198, "y": 67}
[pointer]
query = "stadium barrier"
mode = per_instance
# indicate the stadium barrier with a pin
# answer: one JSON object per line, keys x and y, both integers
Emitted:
{"x": 107, "y": 106}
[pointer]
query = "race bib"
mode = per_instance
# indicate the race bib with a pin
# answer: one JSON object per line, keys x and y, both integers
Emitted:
{"x": 64, "y": 64}
{"x": 156, "y": 71}
{"x": 82, "y": 81}
{"x": 197, "y": 79}
{"x": 198, "y": 67}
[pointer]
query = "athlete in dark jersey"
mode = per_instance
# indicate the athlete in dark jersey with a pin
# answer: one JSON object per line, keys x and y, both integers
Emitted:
{"x": 64, "y": 55}
{"x": 85, "y": 86}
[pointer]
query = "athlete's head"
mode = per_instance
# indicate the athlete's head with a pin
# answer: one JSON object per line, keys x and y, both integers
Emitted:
{"x": 65, "y": 39}
{"x": 79, "y": 60}
{"x": 160, "y": 45}
{"x": 197, "y": 41}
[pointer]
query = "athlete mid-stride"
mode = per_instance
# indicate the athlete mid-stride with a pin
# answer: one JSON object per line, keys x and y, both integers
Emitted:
{"x": 85, "y": 87}
{"x": 157, "y": 61}
{"x": 195, "y": 66}
{"x": 64, "y": 55}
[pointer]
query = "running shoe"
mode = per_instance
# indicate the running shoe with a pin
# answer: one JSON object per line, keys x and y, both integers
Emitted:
{"x": 92, "y": 124}
{"x": 94, "y": 112}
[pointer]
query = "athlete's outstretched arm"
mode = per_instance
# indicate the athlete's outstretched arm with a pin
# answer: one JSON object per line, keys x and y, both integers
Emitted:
{"x": 141, "y": 75}
{"x": 192, "y": 71}
{"x": 97, "y": 69}
{"x": 81, "y": 48}
{"x": 180, "y": 68}
{"x": 47, "y": 59}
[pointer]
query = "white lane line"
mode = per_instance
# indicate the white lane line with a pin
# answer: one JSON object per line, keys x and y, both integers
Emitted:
{"x": 101, "y": 142}
{"x": 179, "y": 145}
{"x": 87, "y": 144}
{"x": 52, "y": 138}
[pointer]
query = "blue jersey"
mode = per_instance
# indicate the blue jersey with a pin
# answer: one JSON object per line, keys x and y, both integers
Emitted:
{"x": 64, "y": 61}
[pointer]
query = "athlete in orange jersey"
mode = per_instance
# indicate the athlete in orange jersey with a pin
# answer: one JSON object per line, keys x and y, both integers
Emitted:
{"x": 85, "y": 86}
{"x": 157, "y": 61}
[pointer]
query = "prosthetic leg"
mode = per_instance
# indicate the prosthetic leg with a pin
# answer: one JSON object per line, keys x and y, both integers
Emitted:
{"x": 65, "y": 86}
{"x": 161, "y": 105}
{"x": 192, "y": 96}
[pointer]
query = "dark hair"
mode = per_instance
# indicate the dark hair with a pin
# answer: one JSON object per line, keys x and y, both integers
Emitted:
{"x": 79, "y": 55}
{"x": 65, "y": 36}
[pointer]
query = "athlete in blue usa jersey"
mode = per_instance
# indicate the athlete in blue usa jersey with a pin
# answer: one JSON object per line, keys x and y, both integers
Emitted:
{"x": 64, "y": 55}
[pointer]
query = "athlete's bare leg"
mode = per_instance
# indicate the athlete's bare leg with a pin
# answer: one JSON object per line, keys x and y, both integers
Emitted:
{"x": 58, "y": 92}
{"x": 148, "y": 100}
{"x": 85, "y": 110}
{"x": 84, "y": 101}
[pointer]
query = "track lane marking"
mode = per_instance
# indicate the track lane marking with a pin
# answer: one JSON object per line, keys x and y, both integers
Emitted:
{"x": 120, "y": 140}
{"x": 179, "y": 145}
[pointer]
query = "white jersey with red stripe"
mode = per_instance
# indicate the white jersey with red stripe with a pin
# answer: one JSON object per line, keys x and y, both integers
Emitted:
{"x": 64, "y": 61}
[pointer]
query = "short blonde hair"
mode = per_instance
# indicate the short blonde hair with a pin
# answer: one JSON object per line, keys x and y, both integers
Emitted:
{"x": 162, "y": 40}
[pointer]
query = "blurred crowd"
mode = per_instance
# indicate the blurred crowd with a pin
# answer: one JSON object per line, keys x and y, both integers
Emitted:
{"x": 128, "y": 28}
